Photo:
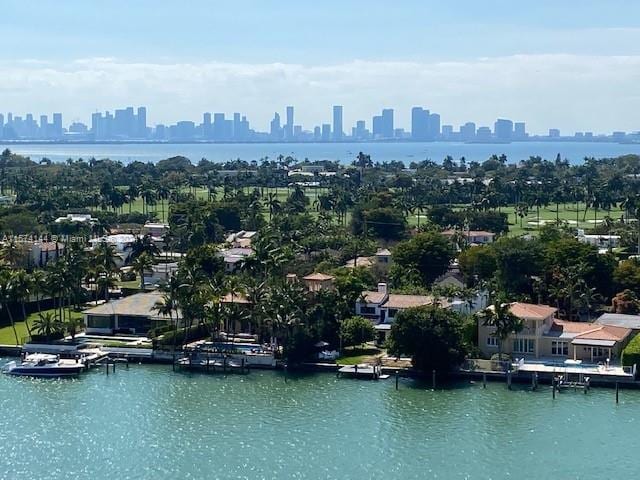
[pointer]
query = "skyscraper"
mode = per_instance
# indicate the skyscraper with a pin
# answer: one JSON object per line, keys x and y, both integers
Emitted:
{"x": 141, "y": 121}
{"x": 237, "y": 127}
{"x": 338, "y": 132}
{"x": 275, "y": 130}
{"x": 207, "y": 131}
{"x": 434, "y": 126}
{"x": 387, "y": 123}
{"x": 468, "y": 131}
{"x": 57, "y": 125}
{"x": 503, "y": 129}
{"x": 419, "y": 123}
{"x": 288, "y": 127}
{"x": 218, "y": 126}
{"x": 1, "y": 125}
{"x": 519, "y": 130}
{"x": 326, "y": 132}
{"x": 44, "y": 126}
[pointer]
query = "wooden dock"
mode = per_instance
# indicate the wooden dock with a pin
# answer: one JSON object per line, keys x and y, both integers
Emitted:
{"x": 213, "y": 364}
{"x": 364, "y": 371}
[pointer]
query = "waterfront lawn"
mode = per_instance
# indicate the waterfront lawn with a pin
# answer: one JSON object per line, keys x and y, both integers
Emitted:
{"x": 6, "y": 333}
{"x": 8, "y": 338}
{"x": 359, "y": 354}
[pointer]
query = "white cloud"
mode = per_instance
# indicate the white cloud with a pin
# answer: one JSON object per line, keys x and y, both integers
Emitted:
{"x": 570, "y": 92}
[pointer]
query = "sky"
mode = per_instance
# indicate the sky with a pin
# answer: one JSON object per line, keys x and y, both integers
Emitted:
{"x": 572, "y": 65}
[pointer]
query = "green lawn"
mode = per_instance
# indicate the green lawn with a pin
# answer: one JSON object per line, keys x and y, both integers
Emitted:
{"x": 7, "y": 336}
{"x": 356, "y": 355}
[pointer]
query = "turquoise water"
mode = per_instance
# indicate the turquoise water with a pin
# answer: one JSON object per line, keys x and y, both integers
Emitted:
{"x": 148, "y": 422}
{"x": 343, "y": 152}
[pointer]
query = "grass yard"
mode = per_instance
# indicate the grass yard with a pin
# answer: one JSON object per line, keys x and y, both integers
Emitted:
{"x": 7, "y": 336}
{"x": 357, "y": 355}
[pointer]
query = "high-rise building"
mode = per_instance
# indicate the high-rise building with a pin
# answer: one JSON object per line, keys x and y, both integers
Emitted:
{"x": 326, "y": 132}
{"x": 317, "y": 133}
{"x": 207, "y": 130}
{"x": 419, "y": 123}
{"x": 519, "y": 130}
{"x": 434, "y": 126}
{"x": 447, "y": 132}
{"x": 218, "y": 126}
{"x": 360, "y": 131}
{"x": 237, "y": 127}
{"x": 338, "y": 132}
{"x": 57, "y": 125}
{"x": 468, "y": 132}
{"x": 387, "y": 123}
{"x": 141, "y": 122}
{"x": 44, "y": 126}
{"x": 503, "y": 129}
{"x": 483, "y": 134}
{"x": 288, "y": 127}
{"x": 554, "y": 132}
{"x": 1, "y": 126}
{"x": 275, "y": 130}
{"x": 376, "y": 126}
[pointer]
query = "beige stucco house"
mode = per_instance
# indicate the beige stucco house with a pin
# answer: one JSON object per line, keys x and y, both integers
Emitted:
{"x": 544, "y": 336}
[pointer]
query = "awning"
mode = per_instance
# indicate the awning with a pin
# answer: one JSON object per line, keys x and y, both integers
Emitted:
{"x": 593, "y": 343}
{"x": 383, "y": 326}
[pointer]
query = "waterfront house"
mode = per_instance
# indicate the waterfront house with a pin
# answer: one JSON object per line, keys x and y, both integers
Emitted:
{"x": 544, "y": 336}
{"x": 135, "y": 314}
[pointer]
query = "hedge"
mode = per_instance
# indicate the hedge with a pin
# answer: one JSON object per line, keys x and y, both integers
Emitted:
{"x": 195, "y": 332}
{"x": 631, "y": 353}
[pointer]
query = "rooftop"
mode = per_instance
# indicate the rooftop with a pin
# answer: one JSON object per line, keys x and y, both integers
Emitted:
{"x": 373, "y": 297}
{"x": 531, "y": 311}
{"x": 620, "y": 320}
{"x": 407, "y": 301}
{"x": 140, "y": 305}
{"x": 318, "y": 277}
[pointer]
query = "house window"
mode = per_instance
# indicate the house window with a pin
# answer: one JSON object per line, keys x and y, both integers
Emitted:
{"x": 367, "y": 310}
{"x": 559, "y": 348}
{"x": 493, "y": 342}
{"x": 599, "y": 352}
{"x": 393, "y": 312}
{"x": 524, "y": 345}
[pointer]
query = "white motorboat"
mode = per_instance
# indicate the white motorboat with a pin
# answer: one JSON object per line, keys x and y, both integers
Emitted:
{"x": 43, "y": 365}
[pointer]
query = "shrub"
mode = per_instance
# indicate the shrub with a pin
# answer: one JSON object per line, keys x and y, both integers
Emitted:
{"x": 631, "y": 353}
{"x": 192, "y": 333}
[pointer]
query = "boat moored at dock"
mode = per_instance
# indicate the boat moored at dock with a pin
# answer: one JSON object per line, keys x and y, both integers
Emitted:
{"x": 44, "y": 365}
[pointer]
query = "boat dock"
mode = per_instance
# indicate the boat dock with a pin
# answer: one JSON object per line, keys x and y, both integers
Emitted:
{"x": 213, "y": 364}
{"x": 364, "y": 371}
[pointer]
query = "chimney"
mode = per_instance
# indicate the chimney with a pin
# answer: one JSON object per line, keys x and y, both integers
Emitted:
{"x": 382, "y": 287}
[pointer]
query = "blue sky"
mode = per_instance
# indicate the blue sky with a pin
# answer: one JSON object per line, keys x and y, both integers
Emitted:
{"x": 546, "y": 62}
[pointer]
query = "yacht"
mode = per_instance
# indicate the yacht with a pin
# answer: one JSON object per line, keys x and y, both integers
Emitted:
{"x": 44, "y": 365}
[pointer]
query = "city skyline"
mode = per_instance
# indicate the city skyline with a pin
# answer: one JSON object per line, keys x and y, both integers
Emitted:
{"x": 576, "y": 68}
{"x": 129, "y": 123}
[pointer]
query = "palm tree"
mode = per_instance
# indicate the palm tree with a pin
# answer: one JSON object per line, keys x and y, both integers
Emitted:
{"x": 7, "y": 297}
{"x": 38, "y": 285}
{"x": 47, "y": 324}
{"x": 504, "y": 322}
{"x": 21, "y": 284}
{"x": 142, "y": 263}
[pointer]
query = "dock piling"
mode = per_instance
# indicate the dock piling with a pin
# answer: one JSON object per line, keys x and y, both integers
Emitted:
{"x": 433, "y": 379}
{"x": 397, "y": 376}
{"x": 553, "y": 387}
{"x": 484, "y": 380}
{"x": 617, "y": 393}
